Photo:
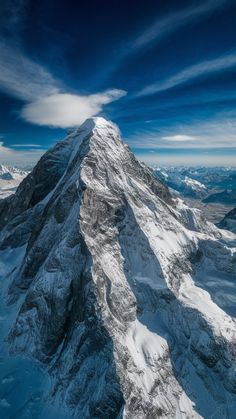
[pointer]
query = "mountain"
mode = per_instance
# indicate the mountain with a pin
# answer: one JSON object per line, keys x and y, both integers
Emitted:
{"x": 229, "y": 221}
{"x": 215, "y": 184}
{"x": 214, "y": 178}
{"x": 10, "y": 178}
{"x": 115, "y": 287}
{"x": 178, "y": 180}
{"x": 202, "y": 187}
{"x": 227, "y": 197}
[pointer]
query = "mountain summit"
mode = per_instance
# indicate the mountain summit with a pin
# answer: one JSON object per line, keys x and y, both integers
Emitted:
{"x": 111, "y": 285}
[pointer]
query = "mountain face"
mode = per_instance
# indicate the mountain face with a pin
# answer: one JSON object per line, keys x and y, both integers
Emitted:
{"x": 113, "y": 286}
{"x": 229, "y": 221}
{"x": 10, "y": 178}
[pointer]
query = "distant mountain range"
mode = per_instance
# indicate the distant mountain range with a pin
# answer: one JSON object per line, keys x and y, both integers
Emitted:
{"x": 10, "y": 178}
{"x": 226, "y": 197}
{"x": 210, "y": 184}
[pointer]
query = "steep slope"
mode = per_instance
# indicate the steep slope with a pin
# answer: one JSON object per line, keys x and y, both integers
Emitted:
{"x": 104, "y": 283}
{"x": 10, "y": 178}
{"x": 229, "y": 221}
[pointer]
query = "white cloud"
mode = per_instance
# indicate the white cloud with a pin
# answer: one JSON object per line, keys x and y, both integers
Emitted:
{"x": 179, "y": 138}
{"x": 67, "y": 110}
{"x": 48, "y": 101}
{"x": 201, "y": 69}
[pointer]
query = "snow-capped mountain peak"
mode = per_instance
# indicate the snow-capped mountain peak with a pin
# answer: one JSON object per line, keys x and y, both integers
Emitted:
{"x": 8, "y": 173}
{"x": 108, "y": 291}
{"x": 195, "y": 184}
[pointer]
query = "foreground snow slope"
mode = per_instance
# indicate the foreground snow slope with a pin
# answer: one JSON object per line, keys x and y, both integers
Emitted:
{"x": 111, "y": 288}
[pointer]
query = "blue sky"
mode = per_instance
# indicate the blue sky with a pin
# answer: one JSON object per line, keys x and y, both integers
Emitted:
{"x": 165, "y": 72}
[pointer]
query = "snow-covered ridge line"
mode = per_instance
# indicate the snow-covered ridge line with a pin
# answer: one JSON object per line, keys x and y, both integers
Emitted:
{"x": 111, "y": 301}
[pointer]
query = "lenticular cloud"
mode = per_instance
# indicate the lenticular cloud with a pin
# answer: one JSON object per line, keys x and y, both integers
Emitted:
{"x": 67, "y": 110}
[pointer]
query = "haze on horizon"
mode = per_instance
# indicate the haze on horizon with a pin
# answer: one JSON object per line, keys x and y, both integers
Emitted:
{"x": 164, "y": 73}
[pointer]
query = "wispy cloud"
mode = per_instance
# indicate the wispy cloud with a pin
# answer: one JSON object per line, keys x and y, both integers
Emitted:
{"x": 48, "y": 101}
{"x": 218, "y": 157}
{"x": 216, "y": 133}
{"x": 174, "y": 21}
{"x": 16, "y": 157}
{"x": 179, "y": 138}
{"x": 195, "y": 71}
{"x": 27, "y": 145}
{"x": 22, "y": 78}
{"x": 161, "y": 28}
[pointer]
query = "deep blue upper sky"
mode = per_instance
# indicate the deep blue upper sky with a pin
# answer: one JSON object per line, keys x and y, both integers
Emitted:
{"x": 165, "y": 72}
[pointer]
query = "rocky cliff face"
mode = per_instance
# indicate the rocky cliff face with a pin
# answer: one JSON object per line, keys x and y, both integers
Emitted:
{"x": 106, "y": 286}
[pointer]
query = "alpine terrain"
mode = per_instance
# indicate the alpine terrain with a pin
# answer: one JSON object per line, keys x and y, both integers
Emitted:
{"x": 229, "y": 221}
{"x": 121, "y": 292}
{"x": 10, "y": 178}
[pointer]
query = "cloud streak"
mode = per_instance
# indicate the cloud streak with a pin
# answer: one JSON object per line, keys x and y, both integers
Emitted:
{"x": 179, "y": 138}
{"x": 9, "y": 156}
{"x": 216, "y": 133}
{"x": 195, "y": 71}
{"x": 167, "y": 25}
{"x": 22, "y": 78}
{"x": 163, "y": 27}
{"x": 27, "y": 145}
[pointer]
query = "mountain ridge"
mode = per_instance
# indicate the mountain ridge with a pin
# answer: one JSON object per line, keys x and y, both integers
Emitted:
{"x": 107, "y": 286}
{"x": 229, "y": 221}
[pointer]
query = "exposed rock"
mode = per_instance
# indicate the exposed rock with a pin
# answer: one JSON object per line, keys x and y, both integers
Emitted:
{"x": 110, "y": 306}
